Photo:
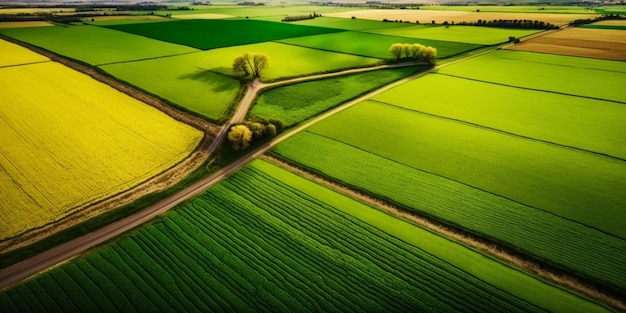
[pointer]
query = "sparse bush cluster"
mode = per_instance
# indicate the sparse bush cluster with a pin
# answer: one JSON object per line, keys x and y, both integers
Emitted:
{"x": 414, "y": 51}
{"x": 300, "y": 17}
{"x": 242, "y": 135}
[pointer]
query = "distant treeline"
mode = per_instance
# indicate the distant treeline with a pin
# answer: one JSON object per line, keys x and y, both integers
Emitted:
{"x": 597, "y": 19}
{"x": 525, "y": 24}
{"x": 300, "y": 17}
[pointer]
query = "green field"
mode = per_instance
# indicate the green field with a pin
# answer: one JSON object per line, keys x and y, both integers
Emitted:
{"x": 601, "y": 79}
{"x": 296, "y": 103}
{"x": 95, "y": 45}
{"x": 374, "y": 45}
{"x": 186, "y": 80}
{"x": 616, "y": 27}
{"x": 575, "y": 185}
{"x": 286, "y": 60}
{"x": 557, "y": 240}
{"x": 229, "y": 250}
{"x": 588, "y": 124}
{"x": 217, "y": 33}
{"x": 270, "y": 13}
{"x": 465, "y": 34}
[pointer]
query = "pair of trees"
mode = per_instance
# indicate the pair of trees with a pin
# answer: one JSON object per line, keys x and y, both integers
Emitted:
{"x": 413, "y": 51}
{"x": 250, "y": 64}
{"x": 240, "y": 136}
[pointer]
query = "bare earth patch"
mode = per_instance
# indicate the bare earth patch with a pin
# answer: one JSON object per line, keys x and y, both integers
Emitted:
{"x": 24, "y": 24}
{"x": 427, "y": 16}
{"x": 207, "y": 16}
{"x": 606, "y": 44}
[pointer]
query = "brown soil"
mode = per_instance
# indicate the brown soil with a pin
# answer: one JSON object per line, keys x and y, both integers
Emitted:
{"x": 158, "y": 183}
{"x": 606, "y": 44}
{"x": 505, "y": 254}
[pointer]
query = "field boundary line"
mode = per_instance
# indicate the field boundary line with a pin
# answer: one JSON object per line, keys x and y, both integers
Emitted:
{"x": 519, "y": 260}
{"x": 504, "y": 132}
{"x": 146, "y": 59}
{"x": 531, "y": 89}
{"x": 22, "y": 64}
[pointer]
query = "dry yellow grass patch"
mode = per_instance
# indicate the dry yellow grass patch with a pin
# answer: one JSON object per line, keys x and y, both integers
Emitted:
{"x": 207, "y": 16}
{"x": 604, "y": 44}
{"x": 24, "y": 24}
{"x": 426, "y": 16}
{"x": 69, "y": 141}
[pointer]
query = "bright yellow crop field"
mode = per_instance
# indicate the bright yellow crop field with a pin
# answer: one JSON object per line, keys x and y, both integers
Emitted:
{"x": 12, "y": 54}
{"x": 68, "y": 141}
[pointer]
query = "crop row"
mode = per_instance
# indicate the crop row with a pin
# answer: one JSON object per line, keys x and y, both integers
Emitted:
{"x": 296, "y": 103}
{"x": 550, "y": 237}
{"x": 256, "y": 242}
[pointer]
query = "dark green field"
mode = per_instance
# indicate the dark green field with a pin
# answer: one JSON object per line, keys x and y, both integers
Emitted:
{"x": 211, "y": 34}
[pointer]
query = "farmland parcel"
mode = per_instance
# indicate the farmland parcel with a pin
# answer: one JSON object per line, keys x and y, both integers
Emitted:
{"x": 229, "y": 250}
{"x": 555, "y": 171}
{"x": 73, "y": 141}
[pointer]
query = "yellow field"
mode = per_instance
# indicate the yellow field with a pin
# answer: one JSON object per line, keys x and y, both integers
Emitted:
{"x": 24, "y": 24}
{"x": 69, "y": 141}
{"x": 426, "y": 16}
{"x": 12, "y": 54}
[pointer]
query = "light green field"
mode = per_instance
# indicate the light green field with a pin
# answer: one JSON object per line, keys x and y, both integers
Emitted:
{"x": 186, "y": 80}
{"x": 201, "y": 81}
{"x": 466, "y": 34}
{"x": 287, "y": 245}
{"x": 286, "y": 60}
{"x": 587, "y": 124}
{"x": 374, "y": 45}
{"x": 586, "y": 77}
{"x": 575, "y": 185}
{"x": 95, "y": 45}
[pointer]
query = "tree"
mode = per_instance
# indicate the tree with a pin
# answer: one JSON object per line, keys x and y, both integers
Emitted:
{"x": 250, "y": 63}
{"x": 429, "y": 54}
{"x": 240, "y": 137}
{"x": 240, "y": 66}
{"x": 270, "y": 129}
{"x": 257, "y": 129}
{"x": 260, "y": 62}
{"x": 396, "y": 50}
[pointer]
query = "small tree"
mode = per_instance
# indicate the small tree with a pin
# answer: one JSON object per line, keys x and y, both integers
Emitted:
{"x": 270, "y": 129}
{"x": 260, "y": 62}
{"x": 429, "y": 54}
{"x": 250, "y": 63}
{"x": 257, "y": 129}
{"x": 240, "y": 66}
{"x": 396, "y": 50}
{"x": 240, "y": 137}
